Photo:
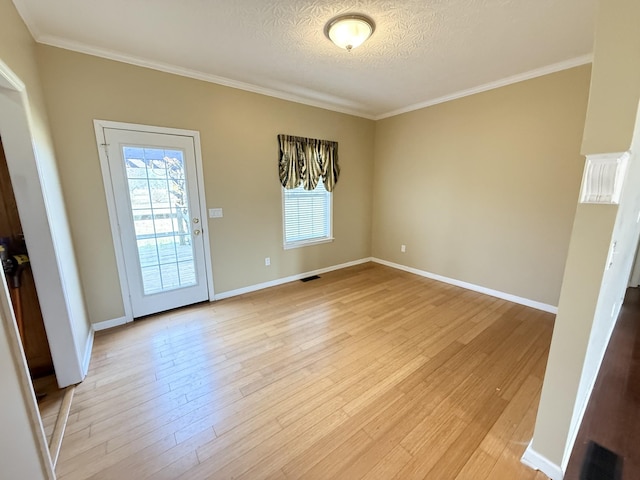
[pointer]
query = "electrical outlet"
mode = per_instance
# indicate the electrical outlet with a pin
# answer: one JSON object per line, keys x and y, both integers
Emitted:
{"x": 403, "y": 248}
{"x": 267, "y": 261}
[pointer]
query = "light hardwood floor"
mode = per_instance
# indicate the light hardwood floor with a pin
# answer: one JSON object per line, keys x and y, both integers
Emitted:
{"x": 49, "y": 402}
{"x": 367, "y": 372}
{"x": 53, "y": 405}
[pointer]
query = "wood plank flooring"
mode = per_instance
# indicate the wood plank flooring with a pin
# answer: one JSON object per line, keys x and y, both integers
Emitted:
{"x": 53, "y": 405}
{"x": 49, "y": 402}
{"x": 365, "y": 373}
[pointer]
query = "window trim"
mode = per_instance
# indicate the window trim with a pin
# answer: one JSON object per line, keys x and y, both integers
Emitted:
{"x": 306, "y": 243}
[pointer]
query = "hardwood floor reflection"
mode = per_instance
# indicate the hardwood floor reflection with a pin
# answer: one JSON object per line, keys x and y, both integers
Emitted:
{"x": 612, "y": 418}
{"x": 367, "y": 372}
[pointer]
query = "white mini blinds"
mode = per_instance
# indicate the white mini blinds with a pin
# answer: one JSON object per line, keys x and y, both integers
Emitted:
{"x": 306, "y": 216}
{"x": 308, "y": 173}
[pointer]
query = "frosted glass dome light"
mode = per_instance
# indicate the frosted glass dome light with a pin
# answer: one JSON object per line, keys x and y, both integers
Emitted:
{"x": 349, "y": 31}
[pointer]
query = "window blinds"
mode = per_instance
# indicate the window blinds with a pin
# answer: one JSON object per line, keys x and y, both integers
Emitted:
{"x": 307, "y": 214}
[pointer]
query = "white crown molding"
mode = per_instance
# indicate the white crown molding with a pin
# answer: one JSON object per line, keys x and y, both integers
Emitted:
{"x": 327, "y": 104}
{"x": 539, "y": 72}
{"x": 270, "y": 92}
{"x": 603, "y": 178}
{"x": 195, "y": 74}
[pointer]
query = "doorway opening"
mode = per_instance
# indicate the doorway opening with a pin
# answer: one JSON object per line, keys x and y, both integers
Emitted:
{"x": 25, "y": 302}
{"x": 17, "y": 269}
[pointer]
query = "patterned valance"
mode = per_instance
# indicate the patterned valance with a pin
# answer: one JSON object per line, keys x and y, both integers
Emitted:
{"x": 305, "y": 160}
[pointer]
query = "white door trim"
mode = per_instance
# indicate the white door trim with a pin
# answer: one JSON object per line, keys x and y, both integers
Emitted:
{"x": 99, "y": 126}
{"x": 634, "y": 280}
{"x": 13, "y": 91}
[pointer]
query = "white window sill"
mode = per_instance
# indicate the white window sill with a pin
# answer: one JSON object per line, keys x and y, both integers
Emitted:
{"x": 306, "y": 243}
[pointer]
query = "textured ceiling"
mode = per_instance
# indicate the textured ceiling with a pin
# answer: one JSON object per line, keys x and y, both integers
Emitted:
{"x": 421, "y": 52}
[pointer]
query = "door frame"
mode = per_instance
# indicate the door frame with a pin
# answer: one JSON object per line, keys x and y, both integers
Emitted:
{"x": 17, "y": 128}
{"x": 99, "y": 126}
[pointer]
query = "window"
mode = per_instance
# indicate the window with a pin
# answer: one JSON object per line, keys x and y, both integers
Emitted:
{"x": 306, "y": 216}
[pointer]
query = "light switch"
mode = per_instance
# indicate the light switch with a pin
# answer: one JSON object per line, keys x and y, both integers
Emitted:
{"x": 215, "y": 213}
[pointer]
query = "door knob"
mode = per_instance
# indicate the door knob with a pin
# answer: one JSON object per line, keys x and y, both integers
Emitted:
{"x": 196, "y": 232}
{"x": 196, "y": 220}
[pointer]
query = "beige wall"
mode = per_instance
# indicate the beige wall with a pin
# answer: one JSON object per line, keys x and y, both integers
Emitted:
{"x": 18, "y": 51}
{"x": 616, "y": 78}
{"x": 239, "y": 147}
{"x": 589, "y": 291}
{"x": 589, "y": 304}
{"x": 483, "y": 189}
{"x": 586, "y": 261}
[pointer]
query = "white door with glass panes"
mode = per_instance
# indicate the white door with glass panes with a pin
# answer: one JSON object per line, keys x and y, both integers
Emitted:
{"x": 155, "y": 187}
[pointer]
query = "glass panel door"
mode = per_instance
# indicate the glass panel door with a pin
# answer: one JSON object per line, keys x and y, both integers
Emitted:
{"x": 155, "y": 182}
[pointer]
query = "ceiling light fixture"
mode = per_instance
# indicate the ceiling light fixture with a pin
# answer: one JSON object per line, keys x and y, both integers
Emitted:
{"x": 349, "y": 31}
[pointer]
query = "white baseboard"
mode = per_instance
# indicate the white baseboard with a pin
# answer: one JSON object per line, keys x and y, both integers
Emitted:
{"x": 116, "y": 322}
{"x": 292, "y": 278}
{"x": 87, "y": 353}
{"x": 533, "y": 459}
{"x": 281, "y": 281}
{"x": 470, "y": 286}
